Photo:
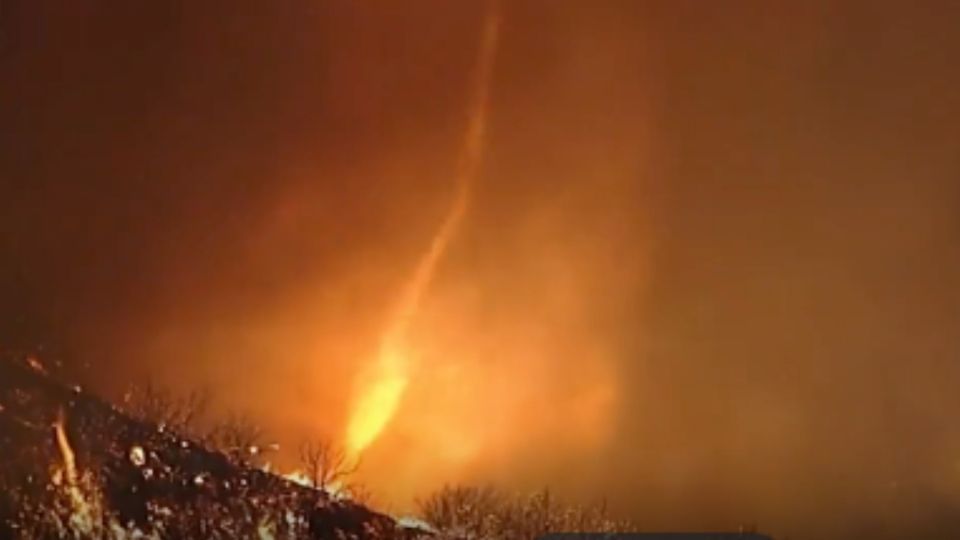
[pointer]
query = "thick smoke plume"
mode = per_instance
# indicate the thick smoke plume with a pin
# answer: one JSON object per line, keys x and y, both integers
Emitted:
{"x": 709, "y": 269}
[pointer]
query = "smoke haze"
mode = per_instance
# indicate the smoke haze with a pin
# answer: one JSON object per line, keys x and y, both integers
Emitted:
{"x": 709, "y": 270}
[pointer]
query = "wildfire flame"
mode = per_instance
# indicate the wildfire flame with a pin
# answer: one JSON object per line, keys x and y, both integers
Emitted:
{"x": 66, "y": 451}
{"x": 87, "y": 512}
{"x": 383, "y": 386}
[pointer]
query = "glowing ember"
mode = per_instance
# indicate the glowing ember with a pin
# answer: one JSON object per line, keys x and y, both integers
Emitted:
{"x": 36, "y": 365}
{"x": 299, "y": 477}
{"x": 266, "y": 530}
{"x": 381, "y": 392}
{"x": 137, "y": 456}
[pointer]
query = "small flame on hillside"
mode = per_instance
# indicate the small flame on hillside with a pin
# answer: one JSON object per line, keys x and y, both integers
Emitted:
{"x": 66, "y": 451}
{"x": 86, "y": 510}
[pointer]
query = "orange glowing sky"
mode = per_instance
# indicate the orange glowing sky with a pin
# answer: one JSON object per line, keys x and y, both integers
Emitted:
{"x": 708, "y": 249}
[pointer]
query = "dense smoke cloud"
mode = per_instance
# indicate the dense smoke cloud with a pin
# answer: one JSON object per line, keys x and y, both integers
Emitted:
{"x": 709, "y": 269}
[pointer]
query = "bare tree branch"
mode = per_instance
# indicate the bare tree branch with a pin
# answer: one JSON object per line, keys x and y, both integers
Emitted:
{"x": 239, "y": 437}
{"x": 178, "y": 413}
{"x": 325, "y": 464}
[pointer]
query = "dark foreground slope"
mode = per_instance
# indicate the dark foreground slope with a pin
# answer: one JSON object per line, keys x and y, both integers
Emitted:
{"x": 103, "y": 474}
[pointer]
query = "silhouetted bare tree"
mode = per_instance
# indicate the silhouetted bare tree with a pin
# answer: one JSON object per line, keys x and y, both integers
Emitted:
{"x": 177, "y": 412}
{"x": 239, "y": 437}
{"x": 325, "y": 464}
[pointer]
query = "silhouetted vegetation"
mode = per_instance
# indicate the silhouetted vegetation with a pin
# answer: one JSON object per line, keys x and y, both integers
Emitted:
{"x": 324, "y": 464}
{"x": 76, "y": 467}
{"x": 483, "y": 512}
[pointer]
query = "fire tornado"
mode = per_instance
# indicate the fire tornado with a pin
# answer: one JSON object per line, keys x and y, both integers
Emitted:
{"x": 382, "y": 387}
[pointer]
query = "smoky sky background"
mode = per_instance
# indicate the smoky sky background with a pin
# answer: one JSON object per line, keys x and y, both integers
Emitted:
{"x": 750, "y": 209}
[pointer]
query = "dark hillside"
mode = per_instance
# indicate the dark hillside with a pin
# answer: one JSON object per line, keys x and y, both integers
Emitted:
{"x": 135, "y": 479}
